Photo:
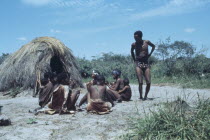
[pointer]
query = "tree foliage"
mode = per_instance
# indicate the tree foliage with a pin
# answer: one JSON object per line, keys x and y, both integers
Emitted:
{"x": 171, "y": 59}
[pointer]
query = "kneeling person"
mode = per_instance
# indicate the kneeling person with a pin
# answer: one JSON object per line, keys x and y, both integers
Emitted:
{"x": 97, "y": 95}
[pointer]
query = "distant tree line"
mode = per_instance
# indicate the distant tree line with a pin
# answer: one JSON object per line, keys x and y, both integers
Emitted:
{"x": 178, "y": 58}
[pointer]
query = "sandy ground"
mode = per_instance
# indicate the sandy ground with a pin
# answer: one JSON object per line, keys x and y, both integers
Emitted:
{"x": 83, "y": 125}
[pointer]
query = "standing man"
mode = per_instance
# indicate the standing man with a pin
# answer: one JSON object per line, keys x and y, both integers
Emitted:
{"x": 140, "y": 58}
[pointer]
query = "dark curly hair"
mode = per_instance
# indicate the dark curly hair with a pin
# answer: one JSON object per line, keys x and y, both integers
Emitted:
{"x": 139, "y": 34}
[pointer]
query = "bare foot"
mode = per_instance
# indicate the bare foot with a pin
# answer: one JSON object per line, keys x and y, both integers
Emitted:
{"x": 145, "y": 98}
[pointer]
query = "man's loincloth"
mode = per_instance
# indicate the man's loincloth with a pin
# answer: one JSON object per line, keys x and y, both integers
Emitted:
{"x": 61, "y": 99}
{"x": 143, "y": 65}
{"x": 98, "y": 106}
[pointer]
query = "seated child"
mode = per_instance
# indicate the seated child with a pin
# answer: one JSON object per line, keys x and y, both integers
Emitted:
{"x": 125, "y": 93}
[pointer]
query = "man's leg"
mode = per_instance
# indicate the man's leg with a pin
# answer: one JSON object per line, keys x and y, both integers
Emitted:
{"x": 111, "y": 95}
{"x": 83, "y": 100}
{"x": 148, "y": 81}
{"x": 115, "y": 93}
{"x": 74, "y": 98}
{"x": 139, "y": 74}
{"x": 109, "y": 99}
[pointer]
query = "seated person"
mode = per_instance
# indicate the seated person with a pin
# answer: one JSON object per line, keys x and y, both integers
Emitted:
{"x": 63, "y": 100}
{"x": 125, "y": 93}
{"x": 95, "y": 73}
{"x": 46, "y": 80}
{"x": 41, "y": 83}
{"x": 117, "y": 85}
{"x": 72, "y": 84}
{"x": 97, "y": 96}
{"x": 45, "y": 92}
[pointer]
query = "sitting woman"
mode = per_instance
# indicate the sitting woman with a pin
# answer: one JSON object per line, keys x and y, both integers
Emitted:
{"x": 125, "y": 93}
{"x": 116, "y": 86}
{"x": 40, "y": 83}
{"x": 63, "y": 100}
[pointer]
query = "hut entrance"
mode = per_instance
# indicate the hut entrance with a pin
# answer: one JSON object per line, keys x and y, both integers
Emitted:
{"x": 56, "y": 65}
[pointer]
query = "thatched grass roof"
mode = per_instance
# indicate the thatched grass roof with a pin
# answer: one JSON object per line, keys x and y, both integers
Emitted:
{"x": 20, "y": 69}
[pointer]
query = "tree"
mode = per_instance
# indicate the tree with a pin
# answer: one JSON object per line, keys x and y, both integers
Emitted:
{"x": 172, "y": 53}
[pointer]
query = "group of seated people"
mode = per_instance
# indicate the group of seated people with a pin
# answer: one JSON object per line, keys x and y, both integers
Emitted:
{"x": 55, "y": 93}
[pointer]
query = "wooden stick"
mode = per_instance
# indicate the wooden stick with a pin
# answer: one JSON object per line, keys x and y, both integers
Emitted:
{"x": 39, "y": 79}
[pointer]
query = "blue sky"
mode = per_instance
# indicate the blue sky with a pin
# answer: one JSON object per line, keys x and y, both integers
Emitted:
{"x": 92, "y": 27}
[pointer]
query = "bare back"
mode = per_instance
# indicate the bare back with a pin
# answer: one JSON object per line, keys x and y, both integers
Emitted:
{"x": 97, "y": 92}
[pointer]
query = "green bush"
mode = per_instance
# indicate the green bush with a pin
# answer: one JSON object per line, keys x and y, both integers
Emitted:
{"x": 167, "y": 124}
{"x": 175, "y": 62}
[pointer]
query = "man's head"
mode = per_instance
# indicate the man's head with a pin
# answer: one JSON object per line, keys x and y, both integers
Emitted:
{"x": 100, "y": 79}
{"x": 47, "y": 75}
{"x": 95, "y": 73}
{"x": 63, "y": 78}
{"x": 126, "y": 81}
{"x": 138, "y": 36}
{"x": 116, "y": 73}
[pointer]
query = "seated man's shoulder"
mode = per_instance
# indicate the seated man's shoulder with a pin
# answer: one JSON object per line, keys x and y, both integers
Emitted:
{"x": 104, "y": 87}
{"x": 100, "y": 87}
{"x": 65, "y": 87}
{"x": 120, "y": 80}
{"x": 92, "y": 86}
{"x": 88, "y": 83}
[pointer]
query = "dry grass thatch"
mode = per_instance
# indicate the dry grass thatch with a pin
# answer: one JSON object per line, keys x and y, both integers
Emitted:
{"x": 43, "y": 54}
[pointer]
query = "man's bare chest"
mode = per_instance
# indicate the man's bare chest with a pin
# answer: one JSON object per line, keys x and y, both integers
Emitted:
{"x": 141, "y": 47}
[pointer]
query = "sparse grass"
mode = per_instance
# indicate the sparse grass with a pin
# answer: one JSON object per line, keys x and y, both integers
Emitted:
{"x": 185, "y": 81}
{"x": 177, "y": 125}
{"x": 31, "y": 121}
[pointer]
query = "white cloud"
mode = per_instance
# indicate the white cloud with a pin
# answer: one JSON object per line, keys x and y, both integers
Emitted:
{"x": 189, "y": 30}
{"x": 70, "y": 3}
{"x": 37, "y": 2}
{"x": 63, "y": 3}
{"x": 173, "y": 7}
{"x": 55, "y": 31}
{"x": 22, "y": 38}
{"x": 129, "y": 9}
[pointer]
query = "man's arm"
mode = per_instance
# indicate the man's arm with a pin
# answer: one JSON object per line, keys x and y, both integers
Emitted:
{"x": 132, "y": 51}
{"x": 115, "y": 86}
{"x": 153, "y": 47}
{"x": 109, "y": 98}
{"x": 121, "y": 91}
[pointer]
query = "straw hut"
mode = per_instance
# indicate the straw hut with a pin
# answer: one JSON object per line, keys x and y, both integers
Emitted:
{"x": 43, "y": 54}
